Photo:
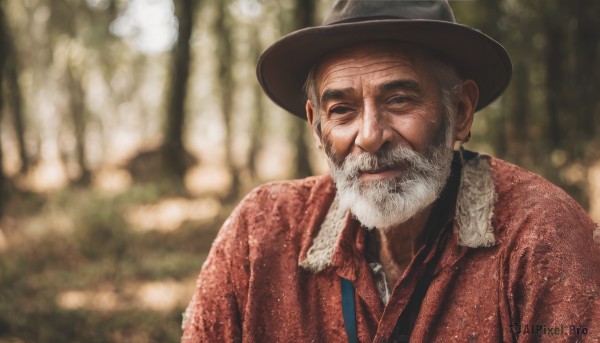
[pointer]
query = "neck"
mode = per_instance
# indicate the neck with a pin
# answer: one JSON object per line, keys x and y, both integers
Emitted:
{"x": 395, "y": 247}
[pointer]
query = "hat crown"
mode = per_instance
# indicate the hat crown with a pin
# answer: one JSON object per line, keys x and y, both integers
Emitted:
{"x": 345, "y": 11}
{"x": 283, "y": 67}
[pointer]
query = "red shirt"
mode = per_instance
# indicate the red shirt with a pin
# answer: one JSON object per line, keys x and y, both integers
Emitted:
{"x": 535, "y": 278}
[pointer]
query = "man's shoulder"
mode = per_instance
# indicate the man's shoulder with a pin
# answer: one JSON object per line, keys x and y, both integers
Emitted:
{"x": 515, "y": 184}
{"x": 279, "y": 195}
{"x": 286, "y": 189}
{"x": 529, "y": 206}
{"x": 281, "y": 207}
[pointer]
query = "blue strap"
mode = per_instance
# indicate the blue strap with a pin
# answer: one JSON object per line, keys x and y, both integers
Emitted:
{"x": 349, "y": 310}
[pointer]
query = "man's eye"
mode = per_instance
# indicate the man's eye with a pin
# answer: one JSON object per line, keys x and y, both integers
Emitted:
{"x": 340, "y": 110}
{"x": 399, "y": 100}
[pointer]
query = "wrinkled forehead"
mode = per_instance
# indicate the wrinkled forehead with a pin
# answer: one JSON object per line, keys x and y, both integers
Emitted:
{"x": 381, "y": 57}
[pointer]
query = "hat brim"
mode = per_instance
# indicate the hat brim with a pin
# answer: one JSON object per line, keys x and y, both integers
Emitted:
{"x": 283, "y": 67}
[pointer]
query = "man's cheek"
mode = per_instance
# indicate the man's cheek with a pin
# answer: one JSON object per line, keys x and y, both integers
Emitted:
{"x": 340, "y": 140}
{"x": 331, "y": 153}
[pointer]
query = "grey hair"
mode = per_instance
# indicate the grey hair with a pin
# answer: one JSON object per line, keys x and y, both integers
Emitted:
{"x": 311, "y": 93}
{"x": 446, "y": 76}
{"x": 449, "y": 84}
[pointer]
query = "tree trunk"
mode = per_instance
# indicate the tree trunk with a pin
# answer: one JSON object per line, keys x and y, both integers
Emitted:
{"x": 519, "y": 148}
{"x": 555, "y": 83}
{"x": 3, "y": 57}
{"x": 224, "y": 49}
{"x": 77, "y": 111}
{"x": 304, "y": 17}
{"x": 257, "y": 130}
{"x": 173, "y": 150}
{"x": 14, "y": 98}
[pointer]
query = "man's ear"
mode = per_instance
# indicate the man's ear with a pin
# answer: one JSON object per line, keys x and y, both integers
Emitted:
{"x": 311, "y": 115}
{"x": 468, "y": 97}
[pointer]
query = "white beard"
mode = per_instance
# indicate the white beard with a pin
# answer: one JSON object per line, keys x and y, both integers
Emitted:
{"x": 387, "y": 203}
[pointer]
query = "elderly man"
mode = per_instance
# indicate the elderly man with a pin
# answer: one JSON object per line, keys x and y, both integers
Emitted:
{"x": 411, "y": 237}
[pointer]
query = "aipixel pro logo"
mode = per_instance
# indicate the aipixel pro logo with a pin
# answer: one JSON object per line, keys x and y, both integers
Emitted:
{"x": 548, "y": 330}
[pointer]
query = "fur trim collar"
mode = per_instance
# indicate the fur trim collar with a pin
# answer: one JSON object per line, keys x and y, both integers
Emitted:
{"x": 473, "y": 217}
{"x": 320, "y": 253}
{"x": 475, "y": 203}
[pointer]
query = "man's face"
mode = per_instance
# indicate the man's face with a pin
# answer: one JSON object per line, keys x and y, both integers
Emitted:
{"x": 384, "y": 130}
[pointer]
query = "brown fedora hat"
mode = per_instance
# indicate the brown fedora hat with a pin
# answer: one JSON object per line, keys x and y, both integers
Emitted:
{"x": 283, "y": 67}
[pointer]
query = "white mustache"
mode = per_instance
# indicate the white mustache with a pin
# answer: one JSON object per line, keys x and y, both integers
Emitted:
{"x": 396, "y": 157}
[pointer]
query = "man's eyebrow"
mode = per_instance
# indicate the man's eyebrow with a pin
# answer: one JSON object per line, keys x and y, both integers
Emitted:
{"x": 330, "y": 94}
{"x": 400, "y": 84}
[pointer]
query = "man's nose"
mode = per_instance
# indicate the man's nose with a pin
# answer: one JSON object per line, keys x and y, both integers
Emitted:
{"x": 375, "y": 130}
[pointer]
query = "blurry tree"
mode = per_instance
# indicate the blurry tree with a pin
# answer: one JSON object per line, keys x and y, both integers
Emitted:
{"x": 555, "y": 55}
{"x": 257, "y": 130}
{"x": 223, "y": 26}
{"x": 175, "y": 157}
{"x": 304, "y": 14}
{"x": 32, "y": 36}
{"x": 81, "y": 32}
{"x": 4, "y": 51}
{"x": 78, "y": 112}
{"x": 13, "y": 97}
{"x": 60, "y": 26}
{"x": 549, "y": 118}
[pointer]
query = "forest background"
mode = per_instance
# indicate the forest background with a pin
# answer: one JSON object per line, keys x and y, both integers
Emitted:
{"x": 130, "y": 129}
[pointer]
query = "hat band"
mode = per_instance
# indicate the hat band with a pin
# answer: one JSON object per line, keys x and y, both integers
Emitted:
{"x": 359, "y": 19}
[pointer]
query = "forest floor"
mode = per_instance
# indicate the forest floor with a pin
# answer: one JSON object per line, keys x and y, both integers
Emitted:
{"x": 83, "y": 265}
